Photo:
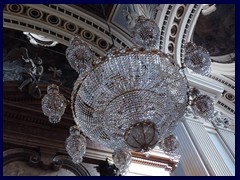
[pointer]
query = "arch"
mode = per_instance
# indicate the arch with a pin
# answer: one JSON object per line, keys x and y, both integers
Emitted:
{"x": 32, "y": 159}
{"x": 60, "y": 22}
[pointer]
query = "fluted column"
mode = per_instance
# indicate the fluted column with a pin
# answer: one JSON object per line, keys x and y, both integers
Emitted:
{"x": 190, "y": 160}
{"x": 226, "y": 130}
{"x": 228, "y": 138}
{"x": 209, "y": 153}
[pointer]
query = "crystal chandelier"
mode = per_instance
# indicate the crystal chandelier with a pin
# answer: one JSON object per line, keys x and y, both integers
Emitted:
{"x": 122, "y": 159}
{"x": 79, "y": 55}
{"x": 170, "y": 144}
{"x": 202, "y": 105}
{"x": 132, "y": 99}
{"x": 53, "y": 104}
{"x": 76, "y": 144}
{"x": 197, "y": 59}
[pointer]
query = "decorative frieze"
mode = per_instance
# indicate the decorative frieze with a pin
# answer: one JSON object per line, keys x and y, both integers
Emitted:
{"x": 60, "y": 23}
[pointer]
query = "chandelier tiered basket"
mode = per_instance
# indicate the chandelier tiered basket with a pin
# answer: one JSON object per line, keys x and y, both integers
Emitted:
{"x": 132, "y": 99}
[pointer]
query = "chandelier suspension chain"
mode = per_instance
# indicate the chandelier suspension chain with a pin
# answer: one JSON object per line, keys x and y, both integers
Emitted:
{"x": 109, "y": 29}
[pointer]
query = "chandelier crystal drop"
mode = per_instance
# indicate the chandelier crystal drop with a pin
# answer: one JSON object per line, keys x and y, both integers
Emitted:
{"x": 53, "y": 104}
{"x": 197, "y": 59}
{"x": 170, "y": 144}
{"x": 76, "y": 145}
{"x": 122, "y": 159}
{"x": 146, "y": 33}
{"x": 79, "y": 55}
{"x": 203, "y": 106}
{"x": 194, "y": 92}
